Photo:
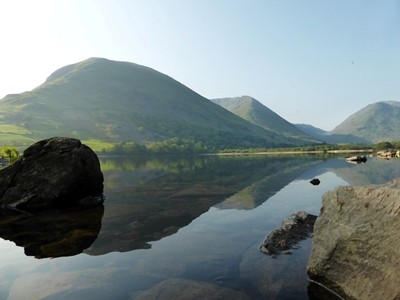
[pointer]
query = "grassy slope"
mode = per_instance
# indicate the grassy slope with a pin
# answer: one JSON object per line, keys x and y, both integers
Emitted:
{"x": 376, "y": 122}
{"x": 329, "y": 138}
{"x": 106, "y": 101}
{"x": 253, "y": 111}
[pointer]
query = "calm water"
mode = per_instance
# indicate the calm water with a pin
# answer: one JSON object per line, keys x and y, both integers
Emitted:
{"x": 177, "y": 228}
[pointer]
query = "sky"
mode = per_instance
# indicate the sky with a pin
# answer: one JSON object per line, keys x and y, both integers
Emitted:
{"x": 312, "y": 62}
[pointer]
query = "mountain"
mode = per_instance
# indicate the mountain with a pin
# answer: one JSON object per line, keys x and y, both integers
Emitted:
{"x": 311, "y": 130}
{"x": 330, "y": 138}
{"x": 256, "y": 113}
{"x": 374, "y": 123}
{"x": 104, "y": 101}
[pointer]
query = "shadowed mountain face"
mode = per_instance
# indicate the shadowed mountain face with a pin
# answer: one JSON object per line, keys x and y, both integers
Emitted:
{"x": 118, "y": 101}
{"x": 258, "y": 114}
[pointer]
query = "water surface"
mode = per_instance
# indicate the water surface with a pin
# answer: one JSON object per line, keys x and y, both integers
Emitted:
{"x": 186, "y": 227}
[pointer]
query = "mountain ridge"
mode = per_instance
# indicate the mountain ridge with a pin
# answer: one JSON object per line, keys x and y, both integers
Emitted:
{"x": 375, "y": 122}
{"x": 113, "y": 101}
{"x": 258, "y": 114}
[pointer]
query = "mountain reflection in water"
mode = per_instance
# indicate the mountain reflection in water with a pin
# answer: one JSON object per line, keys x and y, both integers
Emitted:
{"x": 147, "y": 200}
{"x": 172, "y": 228}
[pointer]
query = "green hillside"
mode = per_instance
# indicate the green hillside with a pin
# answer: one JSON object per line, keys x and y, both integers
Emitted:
{"x": 375, "y": 123}
{"x": 330, "y": 138}
{"x": 104, "y": 102}
{"x": 256, "y": 113}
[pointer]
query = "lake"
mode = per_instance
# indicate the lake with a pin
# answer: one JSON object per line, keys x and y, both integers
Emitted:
{"x": 178, "y": 228}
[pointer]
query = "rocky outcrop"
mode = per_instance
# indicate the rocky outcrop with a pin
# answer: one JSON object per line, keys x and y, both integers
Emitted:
{"x": 295, "y": 228}
{"x": 357, "y": 159}
{"x": 386, "y": 154}
{"x": 56, "y": 172}
{"x": 356, "y": 245}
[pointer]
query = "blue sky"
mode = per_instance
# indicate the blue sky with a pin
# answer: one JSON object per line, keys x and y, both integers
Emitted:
{"x": 312, "y": 62}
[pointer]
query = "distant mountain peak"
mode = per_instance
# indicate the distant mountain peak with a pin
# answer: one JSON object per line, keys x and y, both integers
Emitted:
{"x": 255, "y": 112}
{"x": 375, "y": 122}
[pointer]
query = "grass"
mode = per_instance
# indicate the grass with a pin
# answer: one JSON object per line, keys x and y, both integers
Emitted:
{"x": 18, "y": 141}
{"x": 97, "y": 145}
{"x": 13, "y": 129}
{"x": 22, "y": 142}
{"x": 99, "y": 100}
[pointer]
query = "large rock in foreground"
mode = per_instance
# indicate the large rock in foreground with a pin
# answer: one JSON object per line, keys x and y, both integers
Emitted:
{"x": 356, "y": 247}
{"x": 56, "y": 172}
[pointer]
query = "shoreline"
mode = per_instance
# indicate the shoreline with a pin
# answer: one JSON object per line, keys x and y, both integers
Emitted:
{"x": 293, "y": 152}
{"x": 350, "y": 151}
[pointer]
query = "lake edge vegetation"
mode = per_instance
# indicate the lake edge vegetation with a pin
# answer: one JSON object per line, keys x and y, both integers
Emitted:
{"x": 182, "y": 146}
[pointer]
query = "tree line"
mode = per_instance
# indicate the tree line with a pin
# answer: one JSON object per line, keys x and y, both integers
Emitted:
{"x": 187, "y": 146}
{"x": 9, "y": 153}
{"x": 182, "y": 146}
{"x": 169, "y": 146}
{"x": 387, "y": 145}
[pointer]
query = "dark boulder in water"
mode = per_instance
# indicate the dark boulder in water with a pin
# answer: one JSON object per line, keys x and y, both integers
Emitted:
{"x": 53, "y": 173}
{"x": 315, "y": 181}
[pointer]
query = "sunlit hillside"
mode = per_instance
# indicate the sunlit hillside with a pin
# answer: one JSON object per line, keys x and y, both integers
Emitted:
{"x": 105, "y": 102}
{"x": 375, "y": 123}
{"x": 256, "y": 113}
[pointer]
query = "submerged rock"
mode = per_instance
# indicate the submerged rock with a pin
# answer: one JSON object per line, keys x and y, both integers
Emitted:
{"x": 295, "y": 228}
{"x": 282, "y": 277}
{"x": 356, "y": 248}
{"x": 85, "y": 283}
{"x": 56, "y": 172}
{"x": 189, "y": 289}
